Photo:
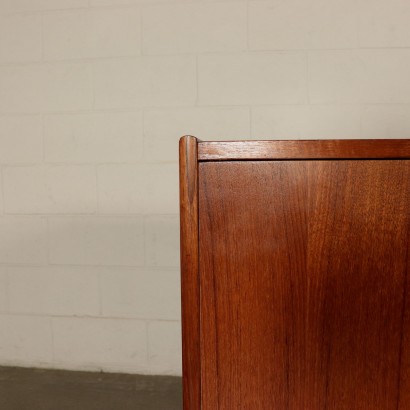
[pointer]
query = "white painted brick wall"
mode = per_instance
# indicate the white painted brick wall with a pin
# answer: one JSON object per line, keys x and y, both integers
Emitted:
{"x": 94, "y": 343}
{"x": 3, "y": 290}
{"x": 138, "y": 188}
{"x": 40, "y": 5}
{"x": 143, "y": 293}
{"x": 43, "y": 189}
{"x": 160, "y": 245}
{"x": 195, "y": 28}
{"x": 109, "y": 137}
{"x": 164, "y": 345}
{"x": 1, "y": 191}
{"x": 21, "y": 139}
{"x": 94, "y": 95}
{"x": 360, "y": 76}
{"x": 96, "y": 240}
{"x": 20, "y": 38}
{"x": 53, "y": 290}
{"x": 49, "y": 87}
{"x": 23, "y": 240}
{"x": 300, "y": 24}
{"x": 26, "y": 340}
{"x": 92, "y": 34}
{"x": 144, "y": 81}
{"x": 252, "y": 78}
{"x": 314, "y": 121}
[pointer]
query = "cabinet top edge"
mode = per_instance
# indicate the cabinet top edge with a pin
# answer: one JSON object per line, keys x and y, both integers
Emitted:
{"x": 303, "y": 149}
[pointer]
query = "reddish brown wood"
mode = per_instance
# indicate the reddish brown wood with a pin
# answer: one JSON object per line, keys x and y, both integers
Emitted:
{"x": 188, "y": 174}
{"x": 252, "y": 236}
{"x": 404, "y": 387}
{"x": 314, "y": 149}
{"x": 357, "y": 249}
{"x": 303, "y": 284}
{"x": 295, "y": 288}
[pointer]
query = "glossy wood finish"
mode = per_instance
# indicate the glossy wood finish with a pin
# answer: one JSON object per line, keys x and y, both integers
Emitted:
{"x": 303, "y": 272}
{"x": 295, "y": 274}
{"x": 188, "y": 182}
{"x": 358, "y": 245}
{"x": 303, "y": 149}
{"x": 251, "y": 252}
{"x": 404, "y": 387}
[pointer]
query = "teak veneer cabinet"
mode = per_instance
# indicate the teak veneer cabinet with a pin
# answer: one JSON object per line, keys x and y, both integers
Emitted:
{"x": 295, "y": 274}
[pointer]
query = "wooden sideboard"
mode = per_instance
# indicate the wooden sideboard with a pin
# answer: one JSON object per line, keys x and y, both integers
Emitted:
{"x": 295, "y": 274}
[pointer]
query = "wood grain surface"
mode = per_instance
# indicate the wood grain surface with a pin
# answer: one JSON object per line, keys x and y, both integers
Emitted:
{"x": 188, "y": 183}
{"x": 304, "y": 290}
{"x": 404, "y": 386}
{"x": 303, "y": 149}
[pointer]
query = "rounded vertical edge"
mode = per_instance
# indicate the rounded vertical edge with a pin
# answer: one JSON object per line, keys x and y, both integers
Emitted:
{"x": 190, "y": 293}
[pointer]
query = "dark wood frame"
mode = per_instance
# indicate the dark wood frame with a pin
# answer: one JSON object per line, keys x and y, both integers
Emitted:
{"x": 188, "y": 183}
{"x": 303, "y": 149}
{"x": 192, "y": 151}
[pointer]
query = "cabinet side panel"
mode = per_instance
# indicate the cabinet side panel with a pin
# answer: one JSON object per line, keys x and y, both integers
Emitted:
{"x": 357, "y": 252}
{"x": 253, "y": 284}
{"x": 188, "y": 174}
{"x": 404, "y": 393}
{"x": 303, "y": 283}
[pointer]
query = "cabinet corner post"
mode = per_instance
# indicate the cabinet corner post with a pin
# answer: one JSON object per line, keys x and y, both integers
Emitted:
{"x": 190, "y": 286}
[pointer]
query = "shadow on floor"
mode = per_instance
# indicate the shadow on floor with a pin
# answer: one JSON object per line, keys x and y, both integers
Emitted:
{"x": 37, "y": 389}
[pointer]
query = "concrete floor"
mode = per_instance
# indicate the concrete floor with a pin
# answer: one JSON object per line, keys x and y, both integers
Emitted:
{"x": 35, "y": 389}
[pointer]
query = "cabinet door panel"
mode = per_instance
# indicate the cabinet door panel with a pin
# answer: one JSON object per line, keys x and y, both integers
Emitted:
{"x": 303, "y": 268}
